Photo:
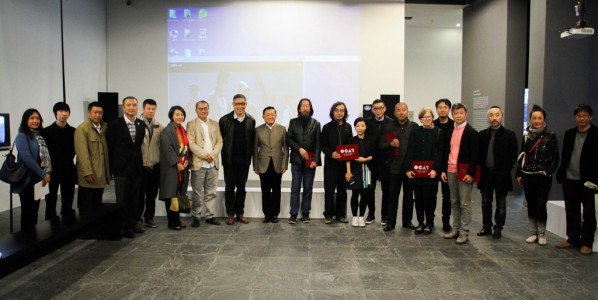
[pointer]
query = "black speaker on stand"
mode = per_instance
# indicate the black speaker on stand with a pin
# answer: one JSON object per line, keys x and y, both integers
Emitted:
{"x": 390, "y": 101}
{"x": 110, "y": 103}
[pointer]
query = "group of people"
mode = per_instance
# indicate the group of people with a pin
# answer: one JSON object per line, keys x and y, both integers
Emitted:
{"x": 147, "y": 160}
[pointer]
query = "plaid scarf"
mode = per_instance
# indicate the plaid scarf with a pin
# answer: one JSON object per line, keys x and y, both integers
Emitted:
{"x": 44, "y": 154}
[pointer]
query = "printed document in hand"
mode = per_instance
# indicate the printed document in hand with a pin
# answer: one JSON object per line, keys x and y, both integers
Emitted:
{"x": 40, "y": 191}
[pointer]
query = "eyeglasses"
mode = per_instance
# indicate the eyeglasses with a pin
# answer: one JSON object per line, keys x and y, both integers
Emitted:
{"x": 426, "y": 117}
{"x": 378, "y": 108}
{"x": 240, "y": 103}
{"x": 582, "y": 116}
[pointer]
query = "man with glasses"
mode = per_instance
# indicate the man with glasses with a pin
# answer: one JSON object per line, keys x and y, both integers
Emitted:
{"x": 238, "y": 134}
{"x": 375, "y": 129}
{"x": 578, "y": 166}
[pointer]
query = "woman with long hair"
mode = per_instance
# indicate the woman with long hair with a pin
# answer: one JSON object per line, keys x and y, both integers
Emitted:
{"x": 33, "y": 152}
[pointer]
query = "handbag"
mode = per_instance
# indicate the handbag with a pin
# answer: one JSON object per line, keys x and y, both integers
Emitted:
{"x": 12, "y": 171}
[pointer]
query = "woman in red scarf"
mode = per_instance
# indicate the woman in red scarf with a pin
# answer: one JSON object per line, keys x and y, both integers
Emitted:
{"x": 174, "y": 163}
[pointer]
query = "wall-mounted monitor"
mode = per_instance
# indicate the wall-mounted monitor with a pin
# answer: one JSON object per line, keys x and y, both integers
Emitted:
{"x": 4, "y": 131}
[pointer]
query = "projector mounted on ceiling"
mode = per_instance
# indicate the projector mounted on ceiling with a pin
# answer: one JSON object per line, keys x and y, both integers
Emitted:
{"x": 580, "y": 30}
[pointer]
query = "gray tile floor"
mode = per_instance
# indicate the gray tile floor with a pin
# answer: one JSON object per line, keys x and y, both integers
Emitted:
{"x": 314, "y": 261}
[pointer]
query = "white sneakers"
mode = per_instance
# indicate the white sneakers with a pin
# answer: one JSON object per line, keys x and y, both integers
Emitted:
{"x": 358, "y": 222}
{"x": 532, "y": 239}
{"x": 361, "y": 222}
{"x": 540, "y": 238}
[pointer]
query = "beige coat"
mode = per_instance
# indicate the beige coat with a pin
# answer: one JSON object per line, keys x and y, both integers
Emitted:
{"x": 270, "y": 143}
{"x": 150, "y": 149}
{"x": 92, "y": 155}
{"x": 196, "y": 138}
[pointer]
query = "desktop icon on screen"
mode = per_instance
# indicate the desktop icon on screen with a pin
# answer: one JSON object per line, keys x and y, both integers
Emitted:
{"x": 172, "y": 13}
{"x": 187, "y": 13}
{"x": 187, "y": 33}
{"x": 203, "y": 33}
{"x": 203, "y": 13}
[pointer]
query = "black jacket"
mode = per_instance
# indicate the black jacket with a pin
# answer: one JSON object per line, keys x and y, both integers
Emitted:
{"x": 333, "y": 135}
{"x": 468, "y": 149}
{"x": 505, "y": 156}
{"x": 61, "y": 145}
{"x": 428, "y": 145}
{"x": 588, "y": 167}
{"x": 543, "y": 157}
{"x": 374, "y": 131}
{"x": 402, "y": 131}
{"x": 125, "y": 155}
{"x": 227, "y": 130}
{"x": 308, "y": 139}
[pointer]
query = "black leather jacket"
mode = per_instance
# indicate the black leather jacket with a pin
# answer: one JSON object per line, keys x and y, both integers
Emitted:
{"x": 308, "y": 139}
{"x": 543, "y": 158}
{"x": 227, "y": 128}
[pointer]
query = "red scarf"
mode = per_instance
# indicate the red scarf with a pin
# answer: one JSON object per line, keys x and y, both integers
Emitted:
{"x": 183, "y": 148}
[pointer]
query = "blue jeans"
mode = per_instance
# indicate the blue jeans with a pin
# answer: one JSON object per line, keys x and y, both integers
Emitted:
{"x": 305, "y": 175}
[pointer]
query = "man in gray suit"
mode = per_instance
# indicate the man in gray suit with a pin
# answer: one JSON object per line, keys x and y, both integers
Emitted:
{"x": 205, "y": 142}
{"x": 270, "y": 160}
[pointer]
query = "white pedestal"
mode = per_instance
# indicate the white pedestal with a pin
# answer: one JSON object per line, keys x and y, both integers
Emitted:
{"x": 557, "y": 222}
{"x": 253, "y": 203}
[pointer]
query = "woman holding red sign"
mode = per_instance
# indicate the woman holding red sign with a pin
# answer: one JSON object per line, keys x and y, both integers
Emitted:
{"x": 358, "y": 173}
{"x": 422, "y": 161}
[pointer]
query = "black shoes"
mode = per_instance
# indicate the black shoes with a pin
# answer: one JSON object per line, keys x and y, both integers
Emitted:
{"x": 293, "y": 219}
{"x": 388, "y": 227}
{"x": 410, "y": 226}
{"x": 138, "y": 227}
{"x": 306, "y": 218}
{"x": 427, "y": 230}
{"x": 213, "y": 221}
{"x": 419, "y": 230}
{"x": 497, "y": 233}
{"x": 485, "y": 231}
{"x": 195, "y": 223}
{"x": 128, "y": 234}
{"x": 447, "y": 227}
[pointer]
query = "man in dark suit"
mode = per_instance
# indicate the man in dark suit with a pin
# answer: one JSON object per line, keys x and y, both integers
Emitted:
{"x": 461, "y": 150}
{"x": 124, "y": 137}
{"x": 270, "y": 161}
{"x": 375, "y": 128}
{"x": 238, "y": 134}
{"x": 579, "y": 165}
{"x": 443, "y": 108}
{"x": 498, "y": 153}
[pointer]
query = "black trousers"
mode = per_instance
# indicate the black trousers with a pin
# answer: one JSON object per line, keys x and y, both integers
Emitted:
{"x": 425, "y": 203}
{"x": 446, "y": 203}
{"x": 366, "y": 194}
{"x": 29, "y": 206}
{"x": 67, "y": 194}
{"x": 89, "y": 198}
{"x": 396, "y": 182}
{"x": 174, "y": 218}
{"x": 150, "y": 185}
{"x": 235, "y": 177}
{"x": 270, "y": 184}
{"x": 384, "y": 181}
{"x": 581, "y": 225}
{"x": 334, "y": 181}
{"x": 127, "y": 190}
{"x": 489, "y": 190}
{"x": 536, "y": 188}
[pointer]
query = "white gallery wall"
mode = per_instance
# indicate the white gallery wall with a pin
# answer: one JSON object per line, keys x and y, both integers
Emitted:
{"x": 433, "y": 46}
{"x": 30, "y": 59}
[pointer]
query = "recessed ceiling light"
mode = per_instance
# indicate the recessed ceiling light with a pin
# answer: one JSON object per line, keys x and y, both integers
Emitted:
{"x": 458, "y": 25}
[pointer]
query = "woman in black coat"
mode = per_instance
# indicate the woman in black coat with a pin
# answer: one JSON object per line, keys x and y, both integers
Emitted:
{"x": 174, "y": 163}
{"x": 359, "y": 173}
{"x": 421, "y": 165}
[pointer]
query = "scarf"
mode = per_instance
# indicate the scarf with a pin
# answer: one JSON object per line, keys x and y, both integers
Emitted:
{"x": 534, "y": 132}
{"x": 44, "y": 154}
{"x": 183, "y": 152}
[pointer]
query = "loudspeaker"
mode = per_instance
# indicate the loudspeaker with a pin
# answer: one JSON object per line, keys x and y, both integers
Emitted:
{"x": 367, "y": 111}
{"x": 390, "y": 101}
{"x": 110, "y": 103}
